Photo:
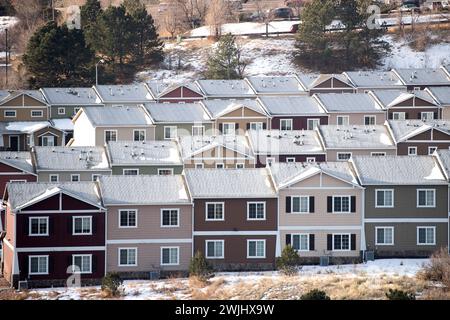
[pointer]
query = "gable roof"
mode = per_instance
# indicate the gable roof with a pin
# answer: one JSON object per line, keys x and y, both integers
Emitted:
{"x": 131, "y": 93}
{"x": 293, "y": 105}
{"x": 390, "y": 98}
{"x": 347, "y": 102}
{"x": 286, "y": 174}
{"x": 225, "y": 88}
{"x": 143, "y": 153}
{"x": 192, "y": 145}
{"x": 276, "y": 142}
{"x": 143, "y": 190}
{"x": 404, "y": 129}
{"x": 220, "y": 107}
{"x": 275, "y": 84}
{"x": 24, "y": 194}
{"x": 158, "y": 88}
{"x": 230, "y": 183}
{"x": 25, "y": 126}
{"x": 18, "y": 159}
{"x": 311, "y": 80}
{"x": 34, "y": 94}
{"x": 116, "y": 116}
{"x": 356, "y": 137}
{"x": 70, "y": 96}
{"x": 398, "y": 170}
{"x": 440, "y": 94}
{"x": 177, "y": 112}
{"x": 374, "y": 79}
{"x": 443, "y": 157}
{"x": 422, "y": 76}
{"x": 70, "y": 158}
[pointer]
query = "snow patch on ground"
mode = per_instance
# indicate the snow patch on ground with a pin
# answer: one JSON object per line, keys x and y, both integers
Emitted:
{"x": 7, "y": 22}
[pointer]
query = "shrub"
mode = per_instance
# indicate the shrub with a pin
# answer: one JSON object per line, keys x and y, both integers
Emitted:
{"x": 111, "y": 283}
{"x": 199, "y": 267}
{"x": 315, "y": 294}
{"x": 394, "y": 294}
{"x": 287, "y": 263}
{"x": 438, "y": 269}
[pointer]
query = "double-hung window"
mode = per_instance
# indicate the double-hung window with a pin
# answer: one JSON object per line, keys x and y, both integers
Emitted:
{"x": 170, "y": 255}
{"x": 256, "y": 249}
{"x": 256, "y": 211}
{"x": 300, "y": 242}
{"x": 214, "y": 249}
{"x": 127, "y": 257}
{"x": 384, "y": 236}
{"x": 286, "y": 124}
{"x": 82, "y": 225}
{"x": 82, "y": 263}
{"x": 38, "y": 226}
{"x": 384, "y": 198}
{"x": 300, "y": 204}
{"x": 426, "y": 236}
{"x": 426, "y": 198}
{"x": 38, "y": 265}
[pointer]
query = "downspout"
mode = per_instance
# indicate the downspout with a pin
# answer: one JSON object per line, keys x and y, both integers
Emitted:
{"x": 363, "y": 229}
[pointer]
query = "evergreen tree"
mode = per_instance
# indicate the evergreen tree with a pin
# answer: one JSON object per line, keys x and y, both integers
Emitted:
{"x": 89, "y": 14}
{"x": 226, "y": 61}
{"x": 6, "y": 8}
{"x": 57, "y": 56}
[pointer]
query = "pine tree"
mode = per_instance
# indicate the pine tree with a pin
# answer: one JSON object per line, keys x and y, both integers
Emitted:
{"x": 226, "y": 61}
{"x": 6, "y": 8}
{"x": 57, "y": 56}
{"x": 89, "y": 15}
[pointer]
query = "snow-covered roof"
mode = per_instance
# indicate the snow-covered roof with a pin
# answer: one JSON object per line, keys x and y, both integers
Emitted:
{"x": 117, "y": 116}
{"x": 64, "y": 124}
{"x": 229, "y": 183}
{"x": 348, "y": 102}
{"x": 143, "y": 190}
{"x": 144, "y": 153}
{"x": 276, "y": 142}
{"x": 356, "y": 137}
{"x": 285, "y": 174}
{"x": 389, "y": 98}
{"x": 292, "y": 105}
{"x": 177, "y": 112}
{"x": 275, "y": 84}
{"x": 311, "y": 80}
{"x": 373, "y": 79}
{"x": 20, "y": 194}
{"x": 159, "y": 88}
{"x": 219, "y": 107}
{"x": 131, "y": 93}
{"x": 70, "y": 96}
{"x": 18, "y": 159}
{"x": 25, "y": 126}
{"x": 3, "y": 94}
{"x": 423, "y": 76}
{"x": 440, "y": 94}
{"x": 71, "y": 158}
{"x": 192, "y": 145}
{"x": 405, "y": 129}
{"x": 398, "y": 170}
{"x": 443, "y": 157}
{"x": 225, "y": 88}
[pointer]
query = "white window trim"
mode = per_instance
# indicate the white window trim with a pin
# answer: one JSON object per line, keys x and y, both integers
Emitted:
{"x": 139, "y": 130}
{"x": 248, "y": 210}
{"x": 38, "y": 234}
{"x": 75, "y": 110}
{"x": 311, "y": 159}
{"x": 378, "y": 154}
{"x": 232, "y": 124}
{"x": 291, "y": 121}
{"x": 95, "y": 175}
{"x": 349, "y": 204}
{"x": 135, "y": 264}
{"x": 346, "y": 123}
{"x": 270, "y": 160}
{"x": 165, "y": 169}
{"x": 312, "y": 119}
{"x": 53, "y": 175}
{"x": 248, "y": 249}
{"x": 40, "y": 116}
{"x": 349, "y": 242}
{"x": 240, "y": 164}
{"x": 215, "y": 203}
{"x": 300, "y": 234}
{"x": 426, "y": 206}
{"x": 196, "y": 127}
{"x": 17, "y": 180}
{"x": 223, "y": 249}
{"x": 175, "y": 128}
{"x": 110, "y": 130}
{"x": 6, "y": 111}
{"x": 415, "y": 151}
{"x": 170, "y": 264}
{"x": 29, "y": 265}
{"x": 61, "y": 109}
{"x": 339, "y": 153}
{"x": 129, "y": 169}
{"x": 260, "y": 123}
{"x": 73, "y": 225}
{"x": 434, "y": 235}
{"x": 431, "y": 147}
{"x": 220, "y": 164}
{"x": 119, "y": 220}
{"x": 48, "y": 139}
{"x": 400, "y": 115}
{"x": 370, "y": 116}
{"x": 292, "y": 205}
{"x": 82, "y": 255}
{"x": 75, "y": 175}
{"x": 178, "y": 217}
{"x": 199, "y": 165}
{"x": 426, "y": 113}
{"x": 384, "y": 206}
{"x": 384, "y": 244}
{"x": 290, "y": 158}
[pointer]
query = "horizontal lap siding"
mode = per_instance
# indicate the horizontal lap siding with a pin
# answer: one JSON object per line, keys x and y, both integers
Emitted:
{"x": 332, "y": 154}
{"x": 118, "y": 170}
{"x": 8, "y": 258}
{"x": 65, "y": 176}
{"x": 4, "y": 179}
{"x": 298, "y": 123}
{"x": 422, "y": 147}
{"x": 358, "y": 118}
{"x": 405, "y": 239}
{"x": 149, "y": 257}
{"x": 261, "y": 160}
{"x": 58, "y": 264}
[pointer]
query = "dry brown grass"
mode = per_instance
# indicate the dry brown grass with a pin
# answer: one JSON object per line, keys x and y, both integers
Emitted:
{"x": 438, "y": 269}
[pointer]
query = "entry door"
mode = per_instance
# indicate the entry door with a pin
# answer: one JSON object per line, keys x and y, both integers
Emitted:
{"x": 14, "y": 143}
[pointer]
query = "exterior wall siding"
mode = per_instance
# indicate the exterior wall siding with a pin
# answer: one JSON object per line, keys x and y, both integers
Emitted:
{"x": 299, "y": 122}
{"x": 123, "y": 134}
{"x": 358, "y": 118}
{"x": 65, "y": 176}
{"x": 118, "y": 170}
{"x": 261, "y": 160}
{"x": 332, "y": 153}
{"x": 183, "y": 129}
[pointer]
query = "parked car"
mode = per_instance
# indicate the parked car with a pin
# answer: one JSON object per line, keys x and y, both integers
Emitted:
{"x": 281, "y": 13}
{"x": 410, "y": 7}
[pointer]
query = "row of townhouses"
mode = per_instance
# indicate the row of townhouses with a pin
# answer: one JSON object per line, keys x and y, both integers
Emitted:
{"x": 49, "y": 116}
{"x": 146, "y": 226}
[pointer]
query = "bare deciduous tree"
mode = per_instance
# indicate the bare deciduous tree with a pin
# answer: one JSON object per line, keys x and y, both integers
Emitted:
{"x": 173, "y": 19}
{"x": 215, "y": 17}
